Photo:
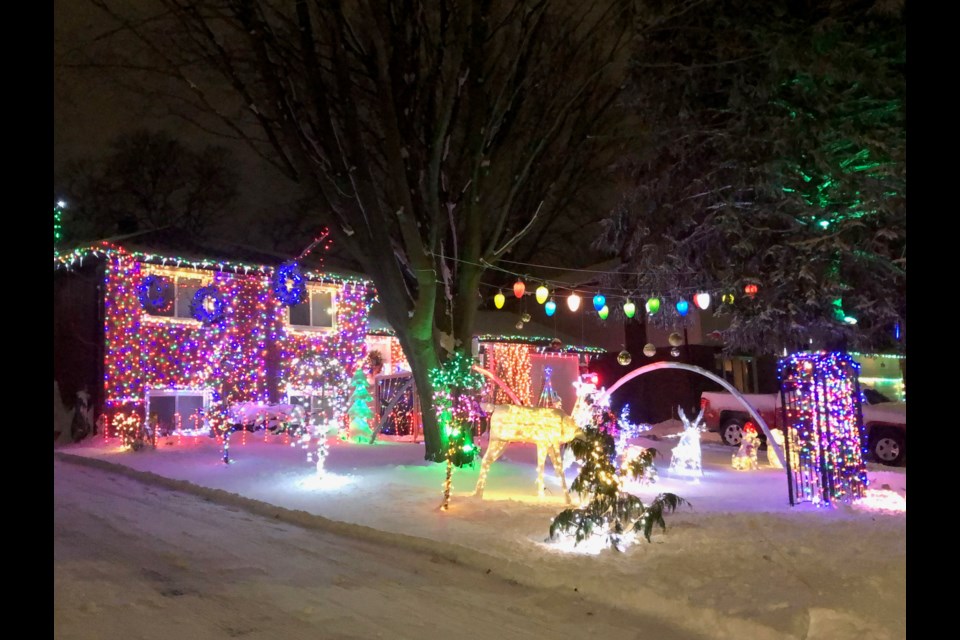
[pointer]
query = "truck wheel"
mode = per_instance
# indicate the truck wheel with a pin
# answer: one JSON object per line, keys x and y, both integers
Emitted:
{"x": 731, "y": 432}
{"x": 888, "y": 446}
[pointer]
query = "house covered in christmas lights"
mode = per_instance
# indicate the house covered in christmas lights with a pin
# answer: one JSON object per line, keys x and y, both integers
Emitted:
{"x": 171, "y": 330}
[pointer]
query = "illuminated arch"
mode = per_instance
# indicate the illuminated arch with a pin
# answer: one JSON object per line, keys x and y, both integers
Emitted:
{"x": 500, "y": 383}
{"x": 723, "y": 383}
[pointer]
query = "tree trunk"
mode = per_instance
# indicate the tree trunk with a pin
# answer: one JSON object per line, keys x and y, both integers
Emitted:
{"x": 422, "y": 355}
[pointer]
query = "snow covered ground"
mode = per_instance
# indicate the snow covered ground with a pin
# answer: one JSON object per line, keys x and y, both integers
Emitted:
{"x": 741, "y": 563}
{"x": 135, "y": 561}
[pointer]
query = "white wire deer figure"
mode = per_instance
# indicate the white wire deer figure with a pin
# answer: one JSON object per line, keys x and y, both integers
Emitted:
{"x": 686, "y": 458}
{"x": 548, "y": 428}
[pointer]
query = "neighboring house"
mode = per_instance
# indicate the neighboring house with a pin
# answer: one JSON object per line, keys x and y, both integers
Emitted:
{"x": 127, "y": 329}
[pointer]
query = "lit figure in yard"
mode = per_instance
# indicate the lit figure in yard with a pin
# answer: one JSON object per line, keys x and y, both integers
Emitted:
{"x": 745, "y": 459}
{"x": 686, "y": 458}
{"x": 546, "y": 427}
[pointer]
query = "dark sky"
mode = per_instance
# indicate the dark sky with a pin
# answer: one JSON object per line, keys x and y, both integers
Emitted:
{"x": 90, "y": 109}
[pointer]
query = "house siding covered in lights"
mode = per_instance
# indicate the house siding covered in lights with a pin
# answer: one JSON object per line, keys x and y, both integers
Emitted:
{"x": 129, "y": 355}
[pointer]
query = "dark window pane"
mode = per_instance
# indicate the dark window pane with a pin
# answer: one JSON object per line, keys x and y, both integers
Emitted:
{"x": 162, "y": 409}
{"x": 320, "y": 303}
{"x": 186, "y": 289}
{"x": 187, "y": 406}
{"x": 300, "y": 314}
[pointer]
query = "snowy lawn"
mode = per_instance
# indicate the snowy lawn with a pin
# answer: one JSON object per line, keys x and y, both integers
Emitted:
{"x": 741, "y": 563}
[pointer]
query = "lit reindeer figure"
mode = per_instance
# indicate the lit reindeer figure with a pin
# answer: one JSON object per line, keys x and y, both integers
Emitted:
{"x": 686, "y": 455}
{"x": 548, "y": 428}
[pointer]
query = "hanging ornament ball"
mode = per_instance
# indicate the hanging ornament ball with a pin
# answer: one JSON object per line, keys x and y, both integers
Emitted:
{"x": 599, "y": 302}
{"x": 519, "y": 288}
{"x": 653, "y": 305}
{"x": 649, "y": 350}
{"x": 525, "y": 317}
{"x": 550, "y": 308}
{"x": 702, "y": 300}
{"x": 604, "y": 312}
{"x": 675, "y": 339}
{"x": 542, "y": 294}
{"x": 675, "y": 352}
{"x": 519, "y": 324}
{"x": 499, "y": 299}
{"x": 573, "y": 301}
{"x": 751, "y": 290}
{"x": 727, "y": 298}
{"x": 624, "y": 357}
{"x": 629, "y": 309}
{"x": 683, "y": 307}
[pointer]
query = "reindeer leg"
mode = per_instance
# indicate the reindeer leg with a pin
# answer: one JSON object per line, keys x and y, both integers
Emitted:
{"x": 494, "y": 450}
{"x": 557, "y": 460}
{"x": 541, "y": 460}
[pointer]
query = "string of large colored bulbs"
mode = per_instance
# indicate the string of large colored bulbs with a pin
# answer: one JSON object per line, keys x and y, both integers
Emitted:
{"x": 701, "y": 299}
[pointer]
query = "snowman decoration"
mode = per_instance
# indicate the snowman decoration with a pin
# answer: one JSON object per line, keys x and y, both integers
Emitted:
{"x": 745, "y": 459}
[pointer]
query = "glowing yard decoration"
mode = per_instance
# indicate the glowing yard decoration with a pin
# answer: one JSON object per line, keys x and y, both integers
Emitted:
{"x": 519, "y": 288}
{"x": 686, "y": 458}
{"x": 573, "y": 301}
{"x": 360, "y": 412}
{"x": 745, "y": 459}
{"x": 629, "y": 309}
{"x": 550, "y": 308}
{"x": 499, "y": 300}
{"x": 702, "y": 300}
{"x": 548, "y": 397}
{"x": 824, "y": 428}
{"x": 547, "y": 428}
{"x": 456, "y": 400}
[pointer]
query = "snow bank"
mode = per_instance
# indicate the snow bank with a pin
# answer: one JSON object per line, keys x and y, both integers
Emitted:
{"x": 740, "y": 563}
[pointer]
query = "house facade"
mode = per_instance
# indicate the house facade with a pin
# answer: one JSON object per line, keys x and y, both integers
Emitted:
{"x": 173, "y": 340}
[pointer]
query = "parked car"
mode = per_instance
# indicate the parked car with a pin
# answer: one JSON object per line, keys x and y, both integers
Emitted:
{"x": 885, "y": 422}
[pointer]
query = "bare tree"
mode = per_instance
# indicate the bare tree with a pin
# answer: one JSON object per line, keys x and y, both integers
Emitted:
{"x": 147, "y": 180}
{"x": 432, "y": 136}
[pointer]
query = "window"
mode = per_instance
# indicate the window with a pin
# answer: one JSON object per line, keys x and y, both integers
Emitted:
{"x": 317, "y": 311}
{"x": 180, "y": 287}
{"x": 173, "y": 409}
{"x": 318, "y": 406}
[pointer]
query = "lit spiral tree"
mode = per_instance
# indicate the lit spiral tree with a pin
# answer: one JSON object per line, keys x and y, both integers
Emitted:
{"x": 58, "y": 208}
{"x": 456, "y": 396}
{"x": 610, "y": 510}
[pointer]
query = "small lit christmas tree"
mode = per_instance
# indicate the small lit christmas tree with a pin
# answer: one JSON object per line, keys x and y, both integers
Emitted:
{"x": 58, "y": 223}
{"x": 360, "y": 412}
{"x": 548, "y": 397}
{"x": 609, "y": 509}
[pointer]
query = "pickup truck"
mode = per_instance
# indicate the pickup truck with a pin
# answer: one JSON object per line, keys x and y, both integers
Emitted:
{"x": 885, "y": 422}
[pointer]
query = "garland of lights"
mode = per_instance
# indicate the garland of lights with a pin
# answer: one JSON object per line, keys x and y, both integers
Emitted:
{"x": 107, "y": 250}
{"x": 152, "y": 293}
{"x": 208, "y": 305}
{"x": 289, "y": 285}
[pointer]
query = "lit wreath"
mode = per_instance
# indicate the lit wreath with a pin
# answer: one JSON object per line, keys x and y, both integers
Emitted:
{"x": 152, "y": 293}
{"x": 207, "y": 305}
{"x": 289, "y": 285}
